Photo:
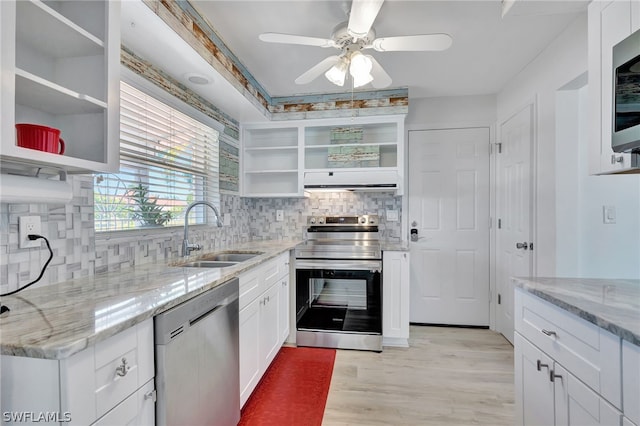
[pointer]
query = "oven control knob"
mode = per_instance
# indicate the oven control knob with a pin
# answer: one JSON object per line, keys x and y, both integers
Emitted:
{"x": 363, "y": 220}
{"x": 372, "y": 221}
{"x": 321, "y": 220}
{"x": 312, "y": 220}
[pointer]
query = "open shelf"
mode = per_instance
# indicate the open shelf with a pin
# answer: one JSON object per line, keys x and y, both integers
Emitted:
{"x": 40, "y": 94}
{"x": 52, "y": 33}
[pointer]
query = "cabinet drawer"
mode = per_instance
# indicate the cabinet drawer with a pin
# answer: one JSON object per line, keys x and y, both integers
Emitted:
{"x": 589, "y": 352}
{"x": 250, "y": 286}
{"x": 259, "y": 279}
{"x": 276, "y": 269}
{"x": 120, "y": 364}
{"x": 138, "y": 409}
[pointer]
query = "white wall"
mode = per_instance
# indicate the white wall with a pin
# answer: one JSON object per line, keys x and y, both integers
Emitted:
{"x": 570, "y": 238}
{"x": 586, "y": 246}
{"x": 451, "y": 111}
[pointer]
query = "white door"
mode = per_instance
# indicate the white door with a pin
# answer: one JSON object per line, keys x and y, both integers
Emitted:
{"x": 513, "y": 211}
{"x": 449, "y": 209}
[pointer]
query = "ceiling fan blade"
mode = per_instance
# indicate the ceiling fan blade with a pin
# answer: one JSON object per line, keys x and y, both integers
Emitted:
{"x": 423, "y": 42}
{"x": 318, "y": 70}
{"x": 380, "y": 77}
{"x": 362, "y": 15}
{"x": 296, "y": 39}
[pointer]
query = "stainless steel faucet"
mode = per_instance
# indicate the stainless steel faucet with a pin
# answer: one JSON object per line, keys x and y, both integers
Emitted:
{"x": 186, "y": 246}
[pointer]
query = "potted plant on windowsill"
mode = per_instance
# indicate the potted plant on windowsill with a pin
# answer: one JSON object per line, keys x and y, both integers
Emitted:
{"x": 146, "y": 209}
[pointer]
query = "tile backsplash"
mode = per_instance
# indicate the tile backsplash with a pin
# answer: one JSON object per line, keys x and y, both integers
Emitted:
{"x": 80, "y": 251}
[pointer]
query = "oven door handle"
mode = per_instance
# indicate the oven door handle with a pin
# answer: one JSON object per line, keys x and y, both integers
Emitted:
{"x": 358, "y": 265}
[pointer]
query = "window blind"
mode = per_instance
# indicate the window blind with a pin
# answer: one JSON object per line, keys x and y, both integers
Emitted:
{"x": 167, "y": 161}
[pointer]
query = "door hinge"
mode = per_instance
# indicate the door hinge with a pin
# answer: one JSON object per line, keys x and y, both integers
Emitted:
{"x": 499, "y": 147}
{"x": 499, "y": 223}
{"x": 499, "y": 299}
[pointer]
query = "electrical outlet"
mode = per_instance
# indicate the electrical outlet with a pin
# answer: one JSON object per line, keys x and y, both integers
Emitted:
{"x": 29, "y": 225}
{"x": 279, "y": 215}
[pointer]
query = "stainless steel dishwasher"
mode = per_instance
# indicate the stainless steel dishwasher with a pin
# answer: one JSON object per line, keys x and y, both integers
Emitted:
{"x": 197, "y": 362}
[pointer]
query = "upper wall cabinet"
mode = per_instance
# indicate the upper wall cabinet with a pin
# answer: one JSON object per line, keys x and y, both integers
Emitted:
{"x": 610, "y": 22}
{"x": 276, "y": 156}
{"x": 60, "y": 65}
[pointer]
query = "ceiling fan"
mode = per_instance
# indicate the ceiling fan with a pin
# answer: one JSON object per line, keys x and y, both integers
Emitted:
{"x": 351, "y": 38}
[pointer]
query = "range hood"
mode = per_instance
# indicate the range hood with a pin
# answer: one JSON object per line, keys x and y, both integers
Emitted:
{"x": 375, "y": 180}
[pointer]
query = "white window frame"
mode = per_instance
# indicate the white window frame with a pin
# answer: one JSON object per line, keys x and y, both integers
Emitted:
{"x": 156, "y": 92}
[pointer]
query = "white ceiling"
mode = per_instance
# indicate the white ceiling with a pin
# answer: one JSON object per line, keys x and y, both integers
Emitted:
{"x": 487, "y": 50}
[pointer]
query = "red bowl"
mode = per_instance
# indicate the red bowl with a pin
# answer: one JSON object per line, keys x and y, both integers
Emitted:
{"x": 42, "y": 138}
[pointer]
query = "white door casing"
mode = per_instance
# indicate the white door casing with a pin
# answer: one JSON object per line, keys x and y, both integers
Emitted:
{"x": 449, "y": 202}
{"x": 513, "y": 212}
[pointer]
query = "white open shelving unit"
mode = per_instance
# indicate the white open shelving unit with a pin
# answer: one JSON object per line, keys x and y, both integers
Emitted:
{"x": 60, "y": 68}
{"x": 276, "y": 155}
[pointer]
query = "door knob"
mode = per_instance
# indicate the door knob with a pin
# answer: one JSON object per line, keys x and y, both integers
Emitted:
{"x": 414, "y": 234}
{"x": 524, "y": 245}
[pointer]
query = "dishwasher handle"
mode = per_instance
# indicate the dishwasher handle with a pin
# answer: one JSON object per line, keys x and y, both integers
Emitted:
{"x": 206, "y": 314}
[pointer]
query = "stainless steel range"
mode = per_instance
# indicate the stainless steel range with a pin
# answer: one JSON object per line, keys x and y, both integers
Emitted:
{"x": 338, "y": 283}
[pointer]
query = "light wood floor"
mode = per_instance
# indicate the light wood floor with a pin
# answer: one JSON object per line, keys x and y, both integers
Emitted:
{"x": 448, "y": 376}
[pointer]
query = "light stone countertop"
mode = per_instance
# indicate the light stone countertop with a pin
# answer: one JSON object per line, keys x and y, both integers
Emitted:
{"x": 59, "y": 320}
{"x": 612, "y": 304}
{"x": 394, "y": 245}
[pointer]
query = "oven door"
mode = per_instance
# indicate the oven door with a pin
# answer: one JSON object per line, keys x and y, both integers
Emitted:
{"x": 339, "y": 296}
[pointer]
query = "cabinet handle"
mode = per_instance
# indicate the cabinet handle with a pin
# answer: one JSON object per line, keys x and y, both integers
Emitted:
{"x": 151, "y": 395}
{"x": 553, "y": 376}
{"x": 616, "y": 159}
{"x": 123, "y": 368}
{"x": 550, "y": 332}
{"x": 539, "y": 365}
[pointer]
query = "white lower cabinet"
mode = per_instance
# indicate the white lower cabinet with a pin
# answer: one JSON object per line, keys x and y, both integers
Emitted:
{"x": 534, "y": 390}
{"x": 569, "y": 371}
{"x": 631, "y": 382}
{"x": 103, "y": 384}
{"x": 395, "y": 295}
{"x": 547, "y": 394}
{"x": 264, "y": 320}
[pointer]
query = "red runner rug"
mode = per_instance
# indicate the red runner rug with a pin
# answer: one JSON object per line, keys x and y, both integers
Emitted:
{"x": 293, "y": 391}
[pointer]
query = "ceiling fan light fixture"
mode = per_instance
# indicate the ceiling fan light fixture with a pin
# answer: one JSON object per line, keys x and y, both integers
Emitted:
{"x": 337, "y": 73}
{"x": 361, "y": 80}
{"x": 360, "y": 64}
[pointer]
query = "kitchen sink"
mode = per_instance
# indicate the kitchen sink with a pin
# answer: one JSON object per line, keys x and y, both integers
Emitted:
{"x": 230, "y": 256}
{"x": 206, "y": 264}
{"x": 221, "y": 259}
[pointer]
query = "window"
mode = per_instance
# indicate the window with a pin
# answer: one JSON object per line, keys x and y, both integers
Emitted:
{"x": 167, "y": 161}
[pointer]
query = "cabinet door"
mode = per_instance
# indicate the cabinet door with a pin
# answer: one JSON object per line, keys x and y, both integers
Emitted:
{"x": 395, "y": 294}
{"x": 269, "y": 335}
{"x": 534, "y": 390}
{"x": 577, "y": 405}
{"x": 631, "y": 381}
{"x": 283, "y": 309}
{"x": 249, "y": 349}
{"x": 615, "y": 19}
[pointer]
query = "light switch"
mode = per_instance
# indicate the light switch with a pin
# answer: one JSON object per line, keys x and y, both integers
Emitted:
{"x": 609, "y": 214}
{"x": 279, "y": 215}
